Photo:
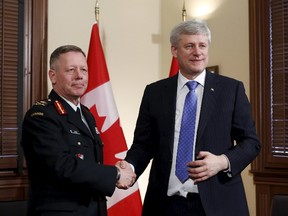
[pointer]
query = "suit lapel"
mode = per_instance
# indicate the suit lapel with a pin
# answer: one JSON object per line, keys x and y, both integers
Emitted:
{"x": 169, "y": 102}
{"x": 208, "y": 101}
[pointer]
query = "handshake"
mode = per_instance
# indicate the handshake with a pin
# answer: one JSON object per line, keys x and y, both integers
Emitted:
{"x": 127, "y": 175}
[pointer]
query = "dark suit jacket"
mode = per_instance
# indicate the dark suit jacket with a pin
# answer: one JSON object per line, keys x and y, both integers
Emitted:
{"x": 64, "y": 159}
{"x": 225, "y": 117}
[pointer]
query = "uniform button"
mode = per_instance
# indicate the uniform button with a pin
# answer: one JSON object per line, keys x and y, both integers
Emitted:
{"x": 79, "y": 143}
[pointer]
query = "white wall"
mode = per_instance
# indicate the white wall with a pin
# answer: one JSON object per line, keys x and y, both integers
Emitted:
{"x": 135, "y": 39}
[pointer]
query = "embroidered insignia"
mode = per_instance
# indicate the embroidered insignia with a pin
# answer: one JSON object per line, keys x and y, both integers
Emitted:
{"x": 80, "y": 156}
{"x": 75, "y": 132}
{"x": 59, "y": 107}
{"x": 37, "y": 114}
{"x": 41, "y": 103}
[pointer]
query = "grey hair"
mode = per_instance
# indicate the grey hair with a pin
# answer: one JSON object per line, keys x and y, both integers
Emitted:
{"x": 189, "y": 27}
{"x": 61, "y": 50}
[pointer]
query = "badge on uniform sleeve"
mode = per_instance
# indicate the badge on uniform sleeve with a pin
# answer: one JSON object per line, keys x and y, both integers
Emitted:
{"x": 37, "y": 114}
{"x": 80, "y": 156}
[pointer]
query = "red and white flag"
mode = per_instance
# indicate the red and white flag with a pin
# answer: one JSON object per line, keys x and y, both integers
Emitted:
{"x": 100, "y": 100}
{"x": 174, "y": 67}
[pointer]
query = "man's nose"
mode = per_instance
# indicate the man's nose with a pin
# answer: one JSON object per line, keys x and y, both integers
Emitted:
{"x": 196, "y": 50}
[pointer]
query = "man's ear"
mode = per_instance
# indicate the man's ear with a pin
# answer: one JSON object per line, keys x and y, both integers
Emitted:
{"x": 174, "y": 51}
{"x": 52, "y": 76}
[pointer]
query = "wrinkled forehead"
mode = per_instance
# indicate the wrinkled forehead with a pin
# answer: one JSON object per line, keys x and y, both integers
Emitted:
{"x": 70, "y": 58}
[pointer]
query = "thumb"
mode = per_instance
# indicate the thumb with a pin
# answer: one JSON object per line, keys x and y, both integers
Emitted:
{"x": 123, "y": 164}
{"x": 202, "y": 154}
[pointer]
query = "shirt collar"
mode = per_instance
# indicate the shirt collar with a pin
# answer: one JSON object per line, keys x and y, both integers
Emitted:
{"x": 183, "y": 80}
{"x": 74, "y": 107}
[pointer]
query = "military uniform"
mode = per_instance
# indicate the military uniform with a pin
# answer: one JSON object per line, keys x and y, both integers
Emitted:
{"x": 64, "y": 161}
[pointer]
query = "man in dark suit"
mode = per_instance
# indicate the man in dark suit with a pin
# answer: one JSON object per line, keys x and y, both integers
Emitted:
{"x": 62, "y": 147}
{"x": 225, "y": 141}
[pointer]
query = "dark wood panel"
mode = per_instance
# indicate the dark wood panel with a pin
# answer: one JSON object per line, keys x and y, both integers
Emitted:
{"x": 270, "y": 172}
{"x": 33, "y": 63}
{"x": 266, "y": 188}
{"x": 13, "y": 187}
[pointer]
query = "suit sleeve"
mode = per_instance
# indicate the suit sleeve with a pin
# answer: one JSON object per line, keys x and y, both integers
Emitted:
{"x": 142, "y": 150}
{"x": 244, "y": 133}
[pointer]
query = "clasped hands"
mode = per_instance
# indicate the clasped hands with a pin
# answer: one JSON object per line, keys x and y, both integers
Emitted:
{"x": 127, "y": 175}
{"x": 206, "y": 166}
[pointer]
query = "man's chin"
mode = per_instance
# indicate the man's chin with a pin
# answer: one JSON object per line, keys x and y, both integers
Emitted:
{"x": 78, "y": 94}
{"x": 198, "y": 70}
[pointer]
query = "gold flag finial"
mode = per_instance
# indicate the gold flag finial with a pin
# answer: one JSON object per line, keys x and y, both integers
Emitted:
{"x": 97, "y": 11}
{"x": 184, "y": 14}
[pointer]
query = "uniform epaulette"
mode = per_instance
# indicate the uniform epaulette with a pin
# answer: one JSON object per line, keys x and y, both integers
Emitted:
{"x": 59, "y": 107}
{"x": 42, "y": 103}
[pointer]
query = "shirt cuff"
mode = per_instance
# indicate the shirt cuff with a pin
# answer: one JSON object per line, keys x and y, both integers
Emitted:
{"x": 132, "y": 167}
{"x": 228, "y": 170}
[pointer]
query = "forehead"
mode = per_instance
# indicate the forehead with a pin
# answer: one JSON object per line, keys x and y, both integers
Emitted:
{"x": 72, "y": 58}
{"x": 193, "y": 38}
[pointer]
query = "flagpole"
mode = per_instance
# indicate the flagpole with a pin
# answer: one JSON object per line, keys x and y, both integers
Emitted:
{"x": 174, "y": 68}
{"x": 184, "y": 14}
{"x": 100, "y": 100}
{"x": 97, "y": 11}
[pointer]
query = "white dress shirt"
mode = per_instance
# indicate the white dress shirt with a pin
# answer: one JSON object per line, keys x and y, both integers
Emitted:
{"x": 175, "y": 186}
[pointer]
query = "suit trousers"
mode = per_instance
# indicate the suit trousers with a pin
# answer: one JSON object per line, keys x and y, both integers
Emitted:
{"x": 83, "y": 210}
{"x": 181, "y": 206}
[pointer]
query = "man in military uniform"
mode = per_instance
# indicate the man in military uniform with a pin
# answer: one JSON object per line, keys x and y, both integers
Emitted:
{"x": 62, "y": 147}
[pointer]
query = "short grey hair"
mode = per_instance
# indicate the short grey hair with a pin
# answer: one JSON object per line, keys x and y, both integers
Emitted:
{"x": 54, "y": 57}
{"x": 189, "y": 27}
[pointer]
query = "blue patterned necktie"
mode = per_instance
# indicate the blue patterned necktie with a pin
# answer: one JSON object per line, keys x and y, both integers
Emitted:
{"x": 187, "y": 131}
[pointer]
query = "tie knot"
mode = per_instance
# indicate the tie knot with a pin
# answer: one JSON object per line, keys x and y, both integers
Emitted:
{"x": 192, "y": 85}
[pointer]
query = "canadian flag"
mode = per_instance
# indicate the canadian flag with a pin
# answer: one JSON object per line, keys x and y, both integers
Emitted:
{"x": 100, "y": 100}
{"x": 174, "y": 67}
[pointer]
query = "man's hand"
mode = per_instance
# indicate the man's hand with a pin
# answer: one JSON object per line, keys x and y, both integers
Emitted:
{"x": 127, "y": 176}
{"x": 206, "y": 166}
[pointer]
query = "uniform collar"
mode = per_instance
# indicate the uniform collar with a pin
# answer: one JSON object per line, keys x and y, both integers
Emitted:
{"x": 74, "y": 107}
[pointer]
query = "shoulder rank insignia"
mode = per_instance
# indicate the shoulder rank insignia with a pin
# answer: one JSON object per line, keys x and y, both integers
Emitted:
{"x": 42, "y": 102}
{"x": 59, "y": 107}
